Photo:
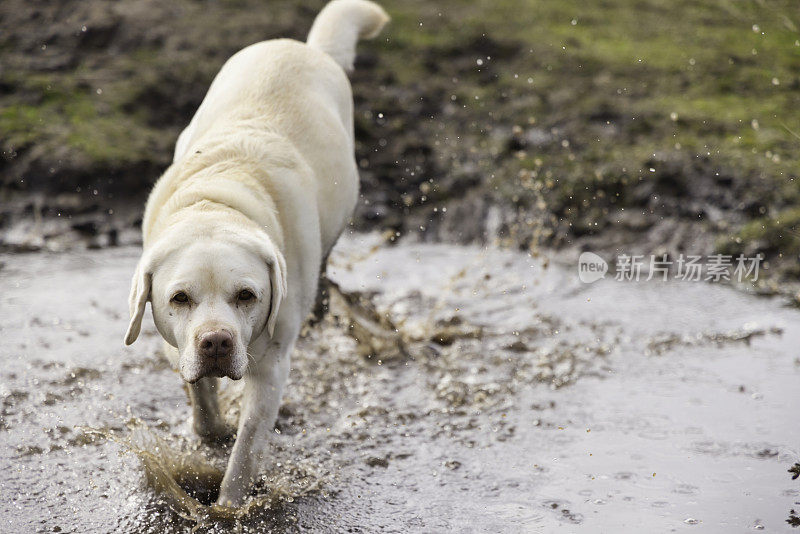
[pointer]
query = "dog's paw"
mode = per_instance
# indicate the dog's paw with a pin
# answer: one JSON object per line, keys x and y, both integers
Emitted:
{"x": 231, "y": 495}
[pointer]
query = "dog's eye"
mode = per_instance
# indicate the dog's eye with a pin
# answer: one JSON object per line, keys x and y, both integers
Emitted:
{"x": 245, "y": 295}
{"x": 180, "y": 298}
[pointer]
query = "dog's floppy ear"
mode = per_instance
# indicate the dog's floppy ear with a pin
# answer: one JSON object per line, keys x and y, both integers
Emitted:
{"x": 140, "y": 294}
{"x": 277, "y": 281}
{"x": 263, "y": 246}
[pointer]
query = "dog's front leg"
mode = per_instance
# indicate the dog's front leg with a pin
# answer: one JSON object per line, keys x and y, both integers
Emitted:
{"x": 207, "y": 421}
{"x": 260, "y": 401}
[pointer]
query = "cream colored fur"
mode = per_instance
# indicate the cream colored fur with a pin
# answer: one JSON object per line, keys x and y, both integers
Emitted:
{"x": 262, "y": 183}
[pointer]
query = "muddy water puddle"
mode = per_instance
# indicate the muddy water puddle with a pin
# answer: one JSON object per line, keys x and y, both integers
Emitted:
{"x": 519, "y": 399}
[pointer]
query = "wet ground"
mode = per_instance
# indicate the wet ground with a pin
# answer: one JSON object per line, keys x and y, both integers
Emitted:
{"x": 522, "y": 400}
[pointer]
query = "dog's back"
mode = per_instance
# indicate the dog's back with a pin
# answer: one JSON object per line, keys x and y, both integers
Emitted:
{"x": 297, "y": 91}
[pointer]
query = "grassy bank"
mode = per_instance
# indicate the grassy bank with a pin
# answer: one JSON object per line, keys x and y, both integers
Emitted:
{"x": 623, "y": 125}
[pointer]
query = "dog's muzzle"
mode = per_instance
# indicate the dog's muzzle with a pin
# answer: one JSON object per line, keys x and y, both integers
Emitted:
{"x": 215, "y": 350}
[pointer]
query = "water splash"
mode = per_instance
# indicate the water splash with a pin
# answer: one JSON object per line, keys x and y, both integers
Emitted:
{"x": 187, "y": 480}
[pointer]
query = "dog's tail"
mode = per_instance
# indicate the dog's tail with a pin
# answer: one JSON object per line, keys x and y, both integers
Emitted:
{"x": 341, "y": 24}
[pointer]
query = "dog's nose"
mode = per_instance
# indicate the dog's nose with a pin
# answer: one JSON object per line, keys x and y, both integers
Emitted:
{"x": 217, "y": 344}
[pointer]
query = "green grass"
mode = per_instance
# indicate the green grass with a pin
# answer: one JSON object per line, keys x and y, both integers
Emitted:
{"x": 717, "y": 82}
{"x": 779, "y": 234}
{"x": 61, "y": 111}
{"x": 707, "y": 87}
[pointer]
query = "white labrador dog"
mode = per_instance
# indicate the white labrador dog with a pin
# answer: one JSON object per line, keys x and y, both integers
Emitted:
{"x": 236, "y": 230}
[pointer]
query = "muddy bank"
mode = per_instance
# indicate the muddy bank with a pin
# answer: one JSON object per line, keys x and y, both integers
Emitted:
{"x": 607, "y": 127}
{"x": 526, "y": 400}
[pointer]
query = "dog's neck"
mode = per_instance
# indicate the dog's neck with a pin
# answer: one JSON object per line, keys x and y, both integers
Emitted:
{"x": 199, "y": 197}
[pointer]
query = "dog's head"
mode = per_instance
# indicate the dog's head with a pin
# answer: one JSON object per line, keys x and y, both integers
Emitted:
{"x": 210, "y": 298}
